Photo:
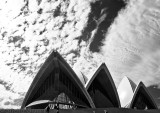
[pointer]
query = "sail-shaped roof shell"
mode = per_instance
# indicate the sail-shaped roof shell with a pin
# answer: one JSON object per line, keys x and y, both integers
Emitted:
{"x": 142, "y": 99}
{"x": 55, "y": 77}
{"x": 126, "y": 90}
{"x": 102, "y": 89}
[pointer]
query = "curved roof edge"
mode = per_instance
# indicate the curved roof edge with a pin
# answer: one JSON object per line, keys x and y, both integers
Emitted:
{"x": 55, "y": 56}
{"x": 37, "y": 77}
{"x": 132, "y": 84}
{"x": 84, "y": 78}
{"x": 76, "y": 78}
{"x": 150, "y": 98}
{"x": 126, "y": 90}
{"x": 38, "y": 102}
{"x": 103, "y": 66}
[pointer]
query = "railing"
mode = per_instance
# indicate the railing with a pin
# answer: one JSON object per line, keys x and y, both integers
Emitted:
{"x": 58, "y": 105}
{"x": 105, "y": 110}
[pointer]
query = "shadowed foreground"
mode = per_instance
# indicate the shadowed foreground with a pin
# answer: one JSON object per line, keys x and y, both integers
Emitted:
{"x": 99, "y": 110}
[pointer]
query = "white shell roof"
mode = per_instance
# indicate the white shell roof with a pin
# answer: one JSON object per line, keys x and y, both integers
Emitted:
{"x": 82, "y": 78}
{"x": 38, "y": 102}
{"x": 126, "y": 91}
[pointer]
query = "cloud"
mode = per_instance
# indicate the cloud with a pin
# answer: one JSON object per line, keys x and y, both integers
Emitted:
{"x": 87, "y": 63}
{"x": 31, "y": 30}
{"x": 131, "y": 47}
{"x": 9, "y": 99}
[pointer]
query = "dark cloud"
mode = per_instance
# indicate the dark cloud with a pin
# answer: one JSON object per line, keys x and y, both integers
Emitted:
{"x": 103, "y": 13}
{"x": 155, "y": 92}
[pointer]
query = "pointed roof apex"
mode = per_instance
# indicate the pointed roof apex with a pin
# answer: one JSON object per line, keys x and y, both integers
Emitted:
{"x": 126, "y": 90}
{"x": 102, "y": 66}
{"x": 133, "y": 85}
{"x": 52, "y": 79}
{"x": 141, "y": 90}
{"x": 105, "y": 88}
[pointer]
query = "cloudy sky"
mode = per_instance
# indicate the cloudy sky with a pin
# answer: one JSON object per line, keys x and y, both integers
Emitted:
{"x": 123, "y": 34}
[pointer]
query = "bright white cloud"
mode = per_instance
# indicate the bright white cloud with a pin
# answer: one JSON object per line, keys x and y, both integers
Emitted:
{"x": 9, "y": 99}
{"x": 132, "y": 44}
{"x": 27, "y": 38}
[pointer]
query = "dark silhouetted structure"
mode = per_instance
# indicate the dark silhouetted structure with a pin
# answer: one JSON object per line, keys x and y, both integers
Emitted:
{"x": 142, "y": 100}
{"x": 56, "y": 85}
{"x": 102, "y": 89}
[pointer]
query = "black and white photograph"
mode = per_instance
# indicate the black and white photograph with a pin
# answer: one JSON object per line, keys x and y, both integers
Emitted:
{"x": 80, "y": 56}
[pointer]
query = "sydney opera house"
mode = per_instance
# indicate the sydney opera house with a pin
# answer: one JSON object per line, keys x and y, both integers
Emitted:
{"x": 56, "y": 88}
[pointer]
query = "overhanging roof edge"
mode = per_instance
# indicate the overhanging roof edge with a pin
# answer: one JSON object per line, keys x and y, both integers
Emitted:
{"x": 35, "y": 81}
{"x": 135, "y": 94}
{"x": 67, "y": 67}
{"x": 103, "y": 66}
{"x": 79, "y": 83}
